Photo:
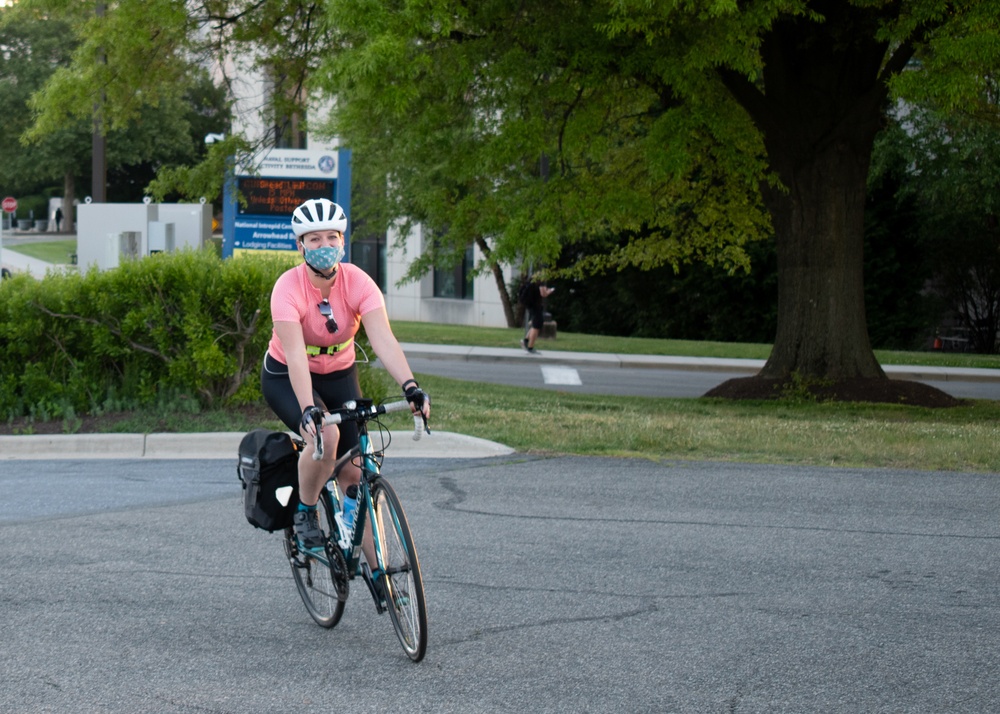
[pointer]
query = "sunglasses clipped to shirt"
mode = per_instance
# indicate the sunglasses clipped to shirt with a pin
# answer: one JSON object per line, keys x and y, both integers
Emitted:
{"x": 327, "y": 311}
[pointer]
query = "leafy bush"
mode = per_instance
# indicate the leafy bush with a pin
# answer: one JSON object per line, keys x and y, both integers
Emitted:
{"x": 185, "y": 326}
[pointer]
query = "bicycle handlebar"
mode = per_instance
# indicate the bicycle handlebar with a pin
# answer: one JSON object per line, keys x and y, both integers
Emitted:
{"x": 352, "y": 412}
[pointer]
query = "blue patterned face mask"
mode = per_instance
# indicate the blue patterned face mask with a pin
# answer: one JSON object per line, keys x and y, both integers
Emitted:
{"x": 324, "y": 258}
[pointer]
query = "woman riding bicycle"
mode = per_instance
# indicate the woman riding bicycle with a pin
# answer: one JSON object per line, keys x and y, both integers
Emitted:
{"x": 317, "y": 308}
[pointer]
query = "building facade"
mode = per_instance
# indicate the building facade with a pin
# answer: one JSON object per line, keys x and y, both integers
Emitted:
{"x": 449, "y": 296}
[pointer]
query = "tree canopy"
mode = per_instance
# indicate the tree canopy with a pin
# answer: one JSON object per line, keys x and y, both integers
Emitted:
{"x": 36, "y": 51}
{"x": 670, "y": 123}
{"x": 674, "y": 131}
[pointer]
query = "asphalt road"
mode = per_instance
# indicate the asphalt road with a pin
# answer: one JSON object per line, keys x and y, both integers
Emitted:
{"x": 559, "y": 584}
{"x": 623, "y": 381}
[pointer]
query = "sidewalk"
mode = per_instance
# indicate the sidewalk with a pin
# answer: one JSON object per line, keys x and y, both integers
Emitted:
{"x": 19, "y": 263}
{"x": 715, "y": 364}
{"x": 220, "y": 445}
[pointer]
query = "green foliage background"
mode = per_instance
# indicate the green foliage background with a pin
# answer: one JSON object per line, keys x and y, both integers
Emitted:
{"x": 182, "y": 330}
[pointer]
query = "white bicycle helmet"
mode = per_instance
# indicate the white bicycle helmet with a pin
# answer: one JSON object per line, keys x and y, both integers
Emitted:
{"x": 318, "y": 214}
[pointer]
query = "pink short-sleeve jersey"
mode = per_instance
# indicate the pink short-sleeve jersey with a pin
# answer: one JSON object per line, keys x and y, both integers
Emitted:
{"x": 295, "y": 299}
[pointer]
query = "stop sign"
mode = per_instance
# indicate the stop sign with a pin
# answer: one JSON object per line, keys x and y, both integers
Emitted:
{"x": 9, "y": 204}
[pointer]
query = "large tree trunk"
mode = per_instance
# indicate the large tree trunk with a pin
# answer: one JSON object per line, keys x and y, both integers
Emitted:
{"x": 69, "y": 197}
{"x": 819, "y": 229}
{"x": 819, "y": 108}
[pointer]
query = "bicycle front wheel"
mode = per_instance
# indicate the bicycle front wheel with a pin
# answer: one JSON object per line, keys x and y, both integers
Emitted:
{"x": 314, "y": 579}
{"x": 400, "y": 578}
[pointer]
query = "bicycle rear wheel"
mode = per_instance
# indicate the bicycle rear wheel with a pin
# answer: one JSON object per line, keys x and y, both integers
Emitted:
{"x": 401, "y": 581}
{"x": 314, "y": 579}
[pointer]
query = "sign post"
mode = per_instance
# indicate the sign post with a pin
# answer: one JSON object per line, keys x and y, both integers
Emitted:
{"x": 9, "y": 205}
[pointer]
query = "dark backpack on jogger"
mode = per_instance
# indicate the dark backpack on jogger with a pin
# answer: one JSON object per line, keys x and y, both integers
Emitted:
{"x": 524, "y": 292}
{"x": 268, "y": 468}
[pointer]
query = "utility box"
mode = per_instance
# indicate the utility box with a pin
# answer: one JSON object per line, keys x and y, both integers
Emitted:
{"x": 161, "y": 237}
{"x": 107, "y": 232}
{"x": 192, "y": 223}
{"x": 100, "y": 226}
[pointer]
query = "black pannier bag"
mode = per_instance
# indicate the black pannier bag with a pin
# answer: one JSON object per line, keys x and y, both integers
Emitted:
{"x": 268, "y": 468}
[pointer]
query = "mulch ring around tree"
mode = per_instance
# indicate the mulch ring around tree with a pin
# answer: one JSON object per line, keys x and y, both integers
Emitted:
{"x": 881, "y": 391}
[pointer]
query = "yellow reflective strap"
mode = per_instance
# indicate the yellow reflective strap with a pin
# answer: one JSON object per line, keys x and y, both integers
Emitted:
{"x": 315, "y": 351}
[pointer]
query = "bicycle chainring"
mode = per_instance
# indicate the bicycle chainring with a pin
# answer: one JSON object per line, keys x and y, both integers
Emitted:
{"x": 338, "y": 569}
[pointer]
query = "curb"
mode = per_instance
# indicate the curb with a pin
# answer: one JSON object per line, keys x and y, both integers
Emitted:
{"x": 221, "y": 445}
{"x": 942, "y": 374}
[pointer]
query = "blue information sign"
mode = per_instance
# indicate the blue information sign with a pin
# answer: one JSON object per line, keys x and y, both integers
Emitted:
{"x": 287, "y": 178}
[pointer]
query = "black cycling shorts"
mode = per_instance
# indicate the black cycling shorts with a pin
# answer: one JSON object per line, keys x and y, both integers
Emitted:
{"x": 330, "y": 391}
{"x": 537, "y": 316}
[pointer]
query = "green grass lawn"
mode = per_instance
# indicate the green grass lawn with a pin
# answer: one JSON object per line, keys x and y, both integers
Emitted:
{"x": 964, "y": 438}
{"x": 537, "y": 421}
{"x": 54, "y": 251}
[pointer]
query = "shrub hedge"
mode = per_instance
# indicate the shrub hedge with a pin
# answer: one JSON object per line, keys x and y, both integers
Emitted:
{"x": 159, "y": 331}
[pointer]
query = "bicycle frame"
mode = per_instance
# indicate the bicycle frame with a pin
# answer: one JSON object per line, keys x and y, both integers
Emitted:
{"x": 370, "y": 471}
{"x": 389, "y": 567}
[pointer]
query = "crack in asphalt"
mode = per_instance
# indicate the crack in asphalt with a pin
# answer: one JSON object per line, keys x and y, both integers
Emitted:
{"x": 458, "y": 496}
{"x": 478, "y": 634}
{"x": 567, "y": 591}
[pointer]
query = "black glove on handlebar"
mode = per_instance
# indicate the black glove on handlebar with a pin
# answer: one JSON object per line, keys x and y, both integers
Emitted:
{"x": 311, "y": 415}
{"x": 414, "y": 395}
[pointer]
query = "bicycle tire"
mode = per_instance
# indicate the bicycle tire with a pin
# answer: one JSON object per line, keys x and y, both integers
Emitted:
{"x": 315, "y": 581}
{"x": 400, "y": 579}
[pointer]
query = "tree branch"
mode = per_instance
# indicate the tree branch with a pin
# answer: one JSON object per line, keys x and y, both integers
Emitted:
{"x": 114, "y": 330}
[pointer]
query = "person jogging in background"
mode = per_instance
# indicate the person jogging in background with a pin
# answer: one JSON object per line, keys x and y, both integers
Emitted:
{"x": 317, "y": 308}
{"x": 532, "y": 295}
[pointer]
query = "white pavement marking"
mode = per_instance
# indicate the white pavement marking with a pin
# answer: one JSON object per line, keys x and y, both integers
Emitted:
{"x": 561, "y": 375}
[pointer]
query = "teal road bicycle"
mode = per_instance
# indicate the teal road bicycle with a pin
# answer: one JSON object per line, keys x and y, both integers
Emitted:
{"x": 323, "y": 577}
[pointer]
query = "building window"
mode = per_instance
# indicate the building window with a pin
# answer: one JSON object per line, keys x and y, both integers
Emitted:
{"x": 368, "y": 237}
{"x": 455, "y": 282}
{"x": 287, "y": 112}
{"x": 368, "y": 253}
{"x": 288, "y": 132}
